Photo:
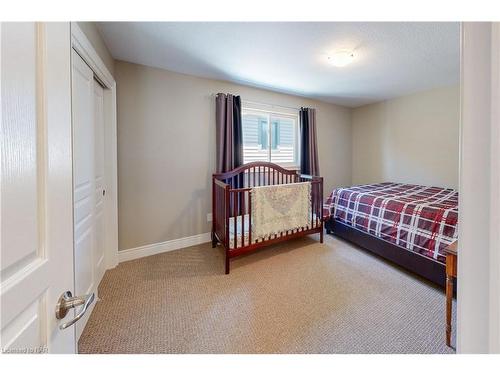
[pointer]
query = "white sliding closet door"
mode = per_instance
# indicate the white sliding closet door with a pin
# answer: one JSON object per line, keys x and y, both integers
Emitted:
{"x": 88, "y": 180}
{"x": 100, "y": 191}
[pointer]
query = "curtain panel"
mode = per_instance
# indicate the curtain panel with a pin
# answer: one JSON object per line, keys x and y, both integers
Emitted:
{"x": 229, "y": 132}
{"x": 308, "y": 142}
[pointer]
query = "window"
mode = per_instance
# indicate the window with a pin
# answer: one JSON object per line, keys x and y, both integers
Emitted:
{"x": 270, "y": 136}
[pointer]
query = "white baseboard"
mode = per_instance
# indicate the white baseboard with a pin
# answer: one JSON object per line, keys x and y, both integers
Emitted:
{"x": 162, "y": 247}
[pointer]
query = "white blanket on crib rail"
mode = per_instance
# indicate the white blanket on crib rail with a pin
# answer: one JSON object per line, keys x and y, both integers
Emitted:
{"x": 278, "y": 208}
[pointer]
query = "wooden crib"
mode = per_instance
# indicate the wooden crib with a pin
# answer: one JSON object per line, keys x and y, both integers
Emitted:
{"x": 232, "y": 206}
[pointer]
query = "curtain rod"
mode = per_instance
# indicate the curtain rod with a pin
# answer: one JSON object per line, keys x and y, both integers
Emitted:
{"x": 266, "y": 104}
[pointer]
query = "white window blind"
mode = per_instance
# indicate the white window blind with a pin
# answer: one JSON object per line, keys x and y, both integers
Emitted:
{"x": 270, "y": 136}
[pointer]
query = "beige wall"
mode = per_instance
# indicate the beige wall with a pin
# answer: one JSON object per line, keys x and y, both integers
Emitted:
{"x": 413, "y": 139}
{"x": 166, "y": 149}
{"x": 91, "y": 32}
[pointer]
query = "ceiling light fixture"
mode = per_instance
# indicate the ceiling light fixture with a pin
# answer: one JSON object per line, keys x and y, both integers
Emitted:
{"x": 341, "y": 58}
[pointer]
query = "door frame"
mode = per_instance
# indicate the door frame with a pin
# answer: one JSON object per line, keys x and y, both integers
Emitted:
{"x": 478, "y": 287}
{"x": 82, "y": 46}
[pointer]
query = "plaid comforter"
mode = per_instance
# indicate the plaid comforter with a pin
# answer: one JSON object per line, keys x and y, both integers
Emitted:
{"x": 419, "y": 218}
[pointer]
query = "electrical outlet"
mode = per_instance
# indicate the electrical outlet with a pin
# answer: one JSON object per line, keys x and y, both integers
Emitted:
{"x": 209, "y": 217}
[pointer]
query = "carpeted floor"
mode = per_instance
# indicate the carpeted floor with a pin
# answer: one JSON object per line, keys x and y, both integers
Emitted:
{"x": 297, "y": 297}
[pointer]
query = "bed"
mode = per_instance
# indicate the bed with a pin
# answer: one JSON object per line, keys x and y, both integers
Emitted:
{"x": 408, "y": 224}
{"x": 243, "y": 223}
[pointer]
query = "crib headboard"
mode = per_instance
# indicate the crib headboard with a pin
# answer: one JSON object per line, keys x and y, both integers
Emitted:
{"x": 258, "y": 173}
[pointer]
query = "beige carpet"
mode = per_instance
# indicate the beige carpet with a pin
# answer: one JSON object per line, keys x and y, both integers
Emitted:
{"x": 296, "y": 297}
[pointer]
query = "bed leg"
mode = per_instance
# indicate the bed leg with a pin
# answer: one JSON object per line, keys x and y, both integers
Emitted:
{"x": 321, "y": 234}
{"x": 227, "y": 263}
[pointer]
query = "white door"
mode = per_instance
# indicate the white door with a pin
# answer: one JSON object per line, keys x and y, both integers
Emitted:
{"x": 83, "y": 177}
{"x": 36, "y": 187}
{"x": 88, "y": 181}
{"x": 100, "y": 190}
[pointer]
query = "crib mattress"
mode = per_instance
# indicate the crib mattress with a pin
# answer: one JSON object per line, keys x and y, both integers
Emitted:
{"x": 243, "y": 235}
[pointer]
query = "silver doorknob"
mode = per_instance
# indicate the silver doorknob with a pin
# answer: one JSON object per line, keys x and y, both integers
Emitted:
{"x": 67, "y": 302}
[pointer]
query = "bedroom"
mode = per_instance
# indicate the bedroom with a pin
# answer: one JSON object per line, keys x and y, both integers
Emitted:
{"x": 277, "y": 187}
{"x": 406, "y": 131}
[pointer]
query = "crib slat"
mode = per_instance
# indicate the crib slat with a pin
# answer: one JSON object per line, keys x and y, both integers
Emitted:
{"x": 221, "y": 212}
{"x": 316, "y": 198}
{"x": 318, "y": 207}
{"x": 243, "y": 221}
{"x": 219, "y": 207}
{"x": 227, "y": 214}
{"x": 312, "y": 205}
{"x": 317, "y": 203}
{"x": 249, "y": 217}
{"x": 235, "y": 222}
{"x": 215, "y": 212}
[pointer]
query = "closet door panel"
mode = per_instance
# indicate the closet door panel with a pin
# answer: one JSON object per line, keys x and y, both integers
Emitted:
{"x": 100, "y": 189}
{"x": 83, "y": 179}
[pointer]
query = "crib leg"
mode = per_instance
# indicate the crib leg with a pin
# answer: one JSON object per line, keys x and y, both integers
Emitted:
{"x": 214, "y": 240}
{"x": 227, "y": 263}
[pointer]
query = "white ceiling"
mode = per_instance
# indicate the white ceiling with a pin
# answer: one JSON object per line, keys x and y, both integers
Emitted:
{"x": 392, "y": 59}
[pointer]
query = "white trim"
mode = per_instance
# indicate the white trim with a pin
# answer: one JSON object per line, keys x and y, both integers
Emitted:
{"x": 111, "y": 178}
{"x": 494, "y": 287}
{"x": 478, "y": 298}
{"x": 84, "y": 48}
{"x": 162, "y": 247}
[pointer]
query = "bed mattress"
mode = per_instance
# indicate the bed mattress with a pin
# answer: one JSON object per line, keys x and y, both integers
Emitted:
{"x": 421, "y": 219}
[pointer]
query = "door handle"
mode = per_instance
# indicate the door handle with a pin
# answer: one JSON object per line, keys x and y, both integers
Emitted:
{"x": 67, "y": 302}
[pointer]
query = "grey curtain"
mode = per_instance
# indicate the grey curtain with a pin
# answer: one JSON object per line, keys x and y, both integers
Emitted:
{"x": 308, "y": 142}
{"x": 229, "y": 133}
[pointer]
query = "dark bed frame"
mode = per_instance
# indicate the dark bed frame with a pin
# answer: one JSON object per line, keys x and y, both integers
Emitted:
{"x": 429, "y": 269}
